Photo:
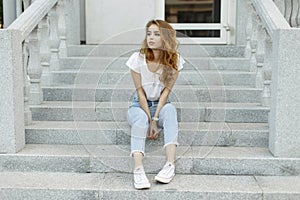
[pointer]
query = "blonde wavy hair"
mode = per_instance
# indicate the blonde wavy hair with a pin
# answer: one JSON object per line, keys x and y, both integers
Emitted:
{"x": 168, "y": 51}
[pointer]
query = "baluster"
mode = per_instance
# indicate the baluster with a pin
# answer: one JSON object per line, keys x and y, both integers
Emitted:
{"x": 35, "y": 68}
{"x": 288, "y": 10}
{"x": 45, "y": 51}
{"x": 54, "y": 39}
{"x": 260, "y": 54}
{"x": 248, "y": 30}
{"x": 267, "y": 71}
{"x": 253, "y": 42}
{"x": 27, "y": 111}
{"x": 298, "y": 15}
{"x": 62, "y": 31}
{"x": 294, "y": 14}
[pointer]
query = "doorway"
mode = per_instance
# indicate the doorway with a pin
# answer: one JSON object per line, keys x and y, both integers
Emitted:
{"x": 200, "y": 21}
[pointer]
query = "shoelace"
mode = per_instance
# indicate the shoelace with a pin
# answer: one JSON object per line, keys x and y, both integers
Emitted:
{"x": 167, "y": 169}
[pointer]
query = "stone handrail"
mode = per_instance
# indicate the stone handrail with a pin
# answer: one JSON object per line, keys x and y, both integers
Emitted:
{"x": 270, "y": 16}
{"x": 272, "y": 47}
{"x": 30, "y": 18}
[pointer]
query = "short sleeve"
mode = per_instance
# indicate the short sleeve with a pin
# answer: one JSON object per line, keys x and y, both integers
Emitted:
{"x": 133, "y": 62}
{"x": 180, "y": 62}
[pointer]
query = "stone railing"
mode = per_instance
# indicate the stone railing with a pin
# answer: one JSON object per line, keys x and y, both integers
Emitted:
{"x": 273, "y": 48}
{"x": 29, "y": 49}
{"x": 290, "y": 9}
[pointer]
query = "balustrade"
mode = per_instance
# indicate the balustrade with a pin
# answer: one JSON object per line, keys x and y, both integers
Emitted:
{"x": 273, "y": 38}
{"x": 35, "y": 40}
{"x": 259, "y": 44}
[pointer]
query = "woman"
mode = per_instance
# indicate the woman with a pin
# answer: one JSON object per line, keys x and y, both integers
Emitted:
{"x": 154, "y": 71}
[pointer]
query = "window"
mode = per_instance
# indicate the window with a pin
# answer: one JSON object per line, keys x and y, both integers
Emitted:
{"x": 191, "y": 12}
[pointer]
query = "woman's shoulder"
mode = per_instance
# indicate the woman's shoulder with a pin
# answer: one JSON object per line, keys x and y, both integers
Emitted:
{"x": 137, "y": 55}
{"x": 135, "y": 62}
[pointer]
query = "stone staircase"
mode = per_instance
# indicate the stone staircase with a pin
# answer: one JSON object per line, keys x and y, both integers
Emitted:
{"x": 79, "y": 142}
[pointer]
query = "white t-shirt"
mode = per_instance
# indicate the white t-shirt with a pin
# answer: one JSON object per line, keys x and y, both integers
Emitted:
{"x": 150, "y": 81}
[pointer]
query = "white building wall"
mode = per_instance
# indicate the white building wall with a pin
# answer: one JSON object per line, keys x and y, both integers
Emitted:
{"x": 117, "y": 21}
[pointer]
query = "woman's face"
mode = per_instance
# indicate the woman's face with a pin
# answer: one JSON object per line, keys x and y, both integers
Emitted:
{"x": 154, "y": 40}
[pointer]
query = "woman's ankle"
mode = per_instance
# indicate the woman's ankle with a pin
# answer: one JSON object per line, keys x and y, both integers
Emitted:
{"x": 138, "y": 167}
{"x": 171, "y": 161}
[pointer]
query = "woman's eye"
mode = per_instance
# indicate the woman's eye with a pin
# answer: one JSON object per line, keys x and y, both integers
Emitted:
{"x": 157, "y": 34}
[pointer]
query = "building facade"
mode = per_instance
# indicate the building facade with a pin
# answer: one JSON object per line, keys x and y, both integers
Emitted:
{"x": 65, "y": 91}
{"x": 206, "y": 22}
{"x": 266, "y": 30}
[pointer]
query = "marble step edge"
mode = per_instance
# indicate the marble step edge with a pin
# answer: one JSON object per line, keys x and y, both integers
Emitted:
{"x": 111, "y": 186}
{"x": 202, "y": 133}
{"x": 184, "y": 93}
{"x": 115, "y": 158}
{"x": 126, "y": 49}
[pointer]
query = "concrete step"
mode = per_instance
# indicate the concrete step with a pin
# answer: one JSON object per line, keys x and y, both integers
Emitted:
{"x": 180, "y": 93}
{"x": 118, "y": 133}
{"x": 186, "y": 77}
{"x": 116, "y": 111}
{"x": 117, "y": 63}
{"x": 125, "y": 50}
{"x": 115, "y": 158}
{"x": 113, "y": 186}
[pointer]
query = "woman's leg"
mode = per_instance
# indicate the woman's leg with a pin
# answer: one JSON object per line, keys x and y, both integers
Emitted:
{"x": 168, "y": 120}
{"x": 171, "y": 153}
{"x": 138, "y": 121}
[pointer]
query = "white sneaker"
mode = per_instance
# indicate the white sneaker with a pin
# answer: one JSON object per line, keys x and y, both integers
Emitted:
{"x": 166, "y": 174}
{"x": 140, "y": 179}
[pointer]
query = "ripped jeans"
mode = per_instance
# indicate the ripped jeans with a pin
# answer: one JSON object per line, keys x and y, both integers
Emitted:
{"x": 138, "y": 121}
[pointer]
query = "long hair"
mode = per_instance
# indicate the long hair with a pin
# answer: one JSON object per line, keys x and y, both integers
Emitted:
{"x": 168, "y": 51}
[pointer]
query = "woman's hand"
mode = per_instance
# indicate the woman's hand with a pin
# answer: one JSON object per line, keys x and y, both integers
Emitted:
{"x": 153, "y": 131}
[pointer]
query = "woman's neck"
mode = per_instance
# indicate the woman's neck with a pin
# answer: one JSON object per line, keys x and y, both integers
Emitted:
{"x": 156, "y": 54}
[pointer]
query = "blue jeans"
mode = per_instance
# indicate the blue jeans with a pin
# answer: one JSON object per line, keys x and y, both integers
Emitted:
{"x": 138, "y": 121}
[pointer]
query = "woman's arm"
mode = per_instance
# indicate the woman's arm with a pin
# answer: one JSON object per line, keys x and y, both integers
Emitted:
{"x": 136, "y": 77}
{"x": 153, "y": 134}
{"x": 165, "y": 94}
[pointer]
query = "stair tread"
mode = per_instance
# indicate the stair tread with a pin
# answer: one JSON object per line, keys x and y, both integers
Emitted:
{"x": 107, "y": 151}
{"x": 118, "y": 133}
{"x": 112, "y": 58}
{"x": 92, "y": 125}
{"x": 181, "y": 185}
{"x": 130, "y": 86}
{"x": 188, "y": 71}
{"x": 115, "y": 158}
{"x": 127, "y": 49}
{"x": 93, "y": 104}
